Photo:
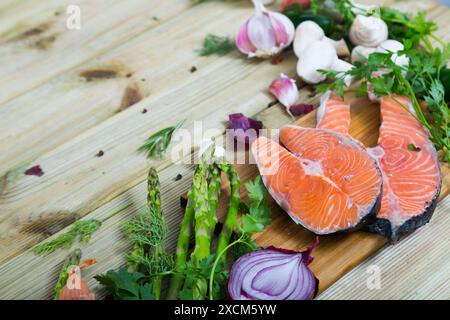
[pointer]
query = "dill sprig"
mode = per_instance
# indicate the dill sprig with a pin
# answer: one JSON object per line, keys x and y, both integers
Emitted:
{"x": 213, "y": 44}
{"x": 81, "y": 230}
{"x": 148, "y": 228}
{"x": 147, "y": 232}
{"x": 157, "y": 143}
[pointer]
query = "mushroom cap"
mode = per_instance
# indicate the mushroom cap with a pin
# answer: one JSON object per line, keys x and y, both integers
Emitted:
{"x": 361, "y": 53}
{"x": 306, "y": 33}
{"x": 394, "y": 46}
{"x": 368, "y": 31}
{"x": 391, "y": 45}
{"x": 319, "y": 55}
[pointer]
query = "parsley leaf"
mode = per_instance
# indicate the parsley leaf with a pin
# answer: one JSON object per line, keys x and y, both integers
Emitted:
{"x": 124, "y": 285}
{"x": 258, "y": 215}
{"x": 197, "y": 278}
{"x": 256, "y": 190}
{"x": 419, "y": 80}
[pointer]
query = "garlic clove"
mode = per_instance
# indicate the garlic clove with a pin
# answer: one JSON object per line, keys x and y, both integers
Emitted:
{"x": 260, "y": 31}
{"x": 243, "y": 42}
{"x": 265, "y": 34}
{"x": 368, "y": 31}
{"x": 285, "y": 90}
{"x": 284, "y": 29}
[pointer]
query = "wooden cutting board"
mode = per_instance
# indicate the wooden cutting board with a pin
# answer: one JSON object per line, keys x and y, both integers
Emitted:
{"x": 336, "y": 254}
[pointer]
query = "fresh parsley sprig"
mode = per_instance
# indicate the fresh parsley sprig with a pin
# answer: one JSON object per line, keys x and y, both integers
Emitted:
{"x": 419, "y": 80}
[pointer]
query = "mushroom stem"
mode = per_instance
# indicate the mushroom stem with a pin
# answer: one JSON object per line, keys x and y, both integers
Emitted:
{"x": 340, "y": 46}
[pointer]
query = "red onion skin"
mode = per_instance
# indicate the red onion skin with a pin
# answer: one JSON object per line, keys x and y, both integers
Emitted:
{"x": 263, "y": 255}
{"x": 239, "y": 123}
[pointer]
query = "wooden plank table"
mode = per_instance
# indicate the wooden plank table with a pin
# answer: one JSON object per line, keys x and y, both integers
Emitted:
{"x": 66, "y": 94}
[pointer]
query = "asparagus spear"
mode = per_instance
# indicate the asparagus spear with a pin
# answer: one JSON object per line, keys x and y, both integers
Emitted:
{"x": 214, "y": 195}
{"x": 232, "y": 213}
{"x": 148, "y": 232}
{"x": 198, "y": 191}
{"x": 182, "y": 248}
{"x": 73, "y": 259}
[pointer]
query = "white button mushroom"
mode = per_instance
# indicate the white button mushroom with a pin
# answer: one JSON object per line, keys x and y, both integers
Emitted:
{"x": 368, "y": 31}
{"x": 308, "y": 32}
{"x": 361, "y": 53}
{"x": 386, "y": 46}
{"x": 320, "y": 55}
{"x": 394, "y": 46}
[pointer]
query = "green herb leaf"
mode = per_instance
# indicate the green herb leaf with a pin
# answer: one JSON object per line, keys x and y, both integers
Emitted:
{"x": 197, "y": 278}
{"x": 157, "y": 144}
{"x": 124, "y": 285}
{"x": 258, "y": 215}
{"x": 82, "y": 229}
{"x": 256, "y": 190}
{"x": 213, "y": 44}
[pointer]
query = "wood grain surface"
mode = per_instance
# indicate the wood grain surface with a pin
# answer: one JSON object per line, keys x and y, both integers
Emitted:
{"x": 86, "y": 91}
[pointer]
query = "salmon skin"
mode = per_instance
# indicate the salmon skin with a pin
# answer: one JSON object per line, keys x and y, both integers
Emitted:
{"x": 411, "y": 178}
{"x": 323, "y": 179}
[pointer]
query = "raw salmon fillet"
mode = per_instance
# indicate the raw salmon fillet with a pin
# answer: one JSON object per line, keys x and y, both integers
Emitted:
{"x": 411, "y": 179}
{"x": 323, "y": 179}
{"x": 334, "y": 114}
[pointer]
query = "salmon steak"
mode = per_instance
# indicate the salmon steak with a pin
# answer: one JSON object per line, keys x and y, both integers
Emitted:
{"x": 410, "y": 167}
{"x": 325, "y": 180}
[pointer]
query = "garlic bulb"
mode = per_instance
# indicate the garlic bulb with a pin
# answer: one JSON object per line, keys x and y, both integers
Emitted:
{"x": 368, "y": 31}
{"x": 285, "y": 90}
{"x": 265, "y": 34}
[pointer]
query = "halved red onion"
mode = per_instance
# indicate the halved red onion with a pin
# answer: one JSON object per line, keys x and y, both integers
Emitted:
{"x": 273, "y": 274}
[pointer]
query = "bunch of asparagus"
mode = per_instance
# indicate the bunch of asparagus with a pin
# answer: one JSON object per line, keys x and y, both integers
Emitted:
{"x": 200, "y": 218}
